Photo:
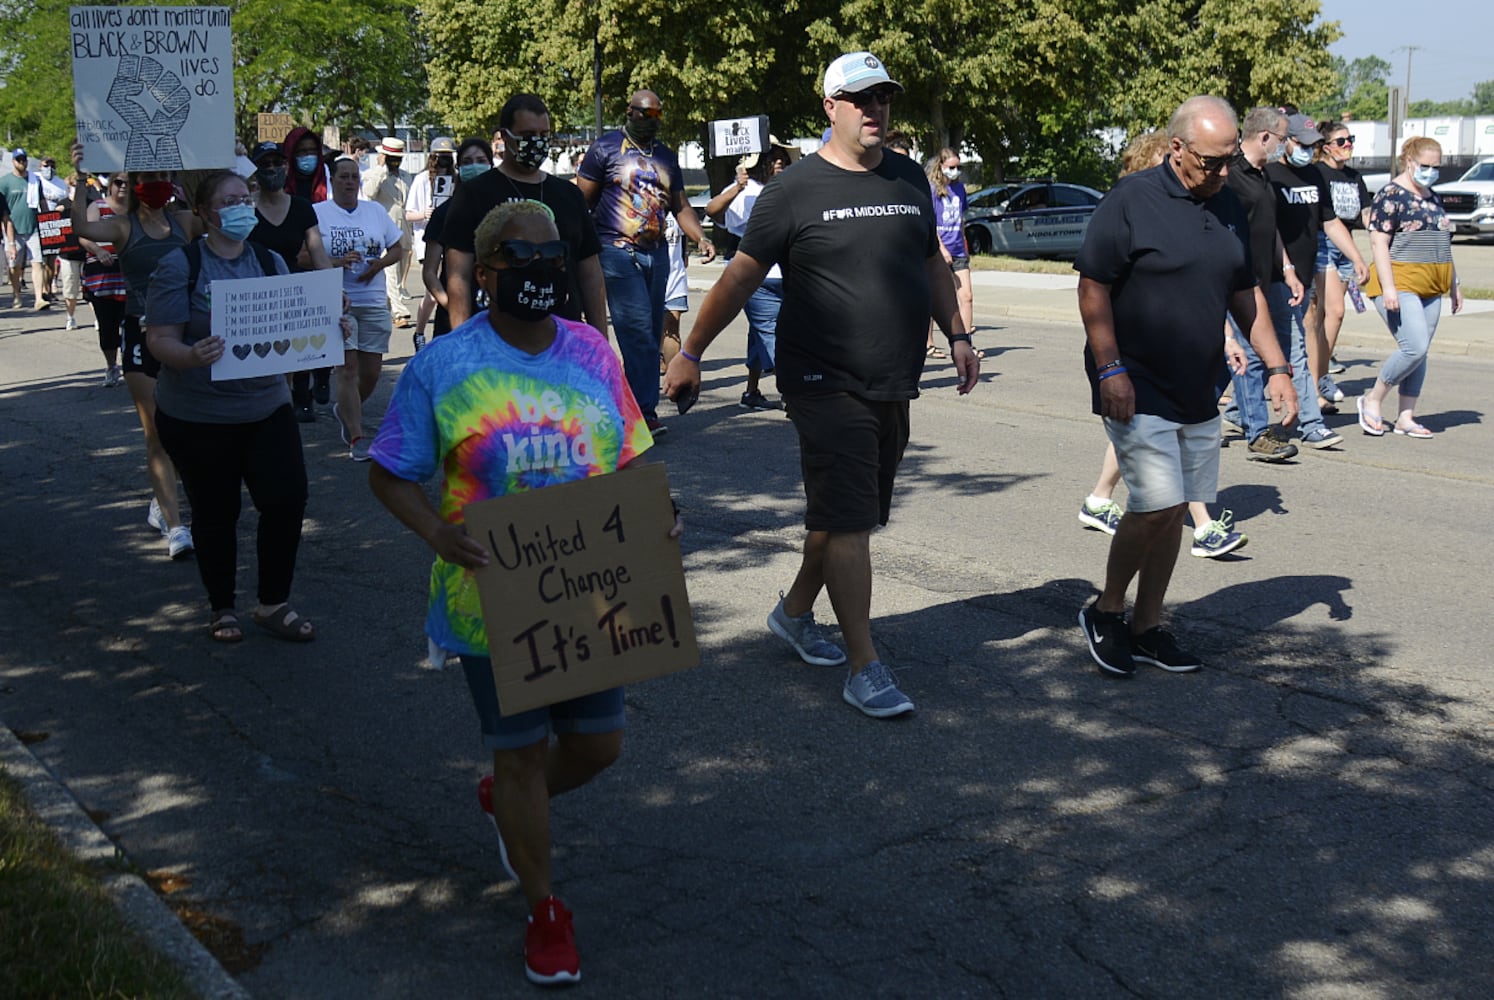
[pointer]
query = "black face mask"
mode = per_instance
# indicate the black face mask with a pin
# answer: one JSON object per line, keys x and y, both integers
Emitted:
{"x": 530, "y": 293}
{"x": 642, "y": 130}
{"x": 271, "y": 178}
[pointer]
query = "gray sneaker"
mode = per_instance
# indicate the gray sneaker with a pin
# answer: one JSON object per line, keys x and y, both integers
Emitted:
{"x": 358, "y": 450}
{"x": 875, "y": 693}
{"x": 806, "y": 636}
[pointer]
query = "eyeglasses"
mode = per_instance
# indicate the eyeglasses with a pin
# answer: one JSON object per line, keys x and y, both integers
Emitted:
{"x": 642, "y": 112}
{"x": 880, "y": 95}
{"x": 1211, "y": 164}
{"x": 248, "y": 199}
{"x": 1341, "y": 141}
{"x": 522, "y": 253}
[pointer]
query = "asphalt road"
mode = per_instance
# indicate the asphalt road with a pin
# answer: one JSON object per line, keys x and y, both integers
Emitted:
{"x": 1308, "y": 817}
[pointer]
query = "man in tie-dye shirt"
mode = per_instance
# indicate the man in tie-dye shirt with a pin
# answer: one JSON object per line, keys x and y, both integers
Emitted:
{"x": 514, "y": 399}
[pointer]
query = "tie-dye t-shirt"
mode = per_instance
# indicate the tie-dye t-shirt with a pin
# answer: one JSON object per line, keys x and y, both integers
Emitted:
{"x": 496, "y": 420}
{"x": 637, "y": 189}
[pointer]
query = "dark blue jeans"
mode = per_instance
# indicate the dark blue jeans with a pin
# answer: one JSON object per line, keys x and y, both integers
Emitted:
{"x": 636, "y": 283}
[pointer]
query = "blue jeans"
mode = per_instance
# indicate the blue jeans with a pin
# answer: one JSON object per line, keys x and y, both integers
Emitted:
{"x": 1412, "y": 327}
{"x": 762, "y": 324}
{"x": 637, "y": 281}
{"x": 1291, "y": 333}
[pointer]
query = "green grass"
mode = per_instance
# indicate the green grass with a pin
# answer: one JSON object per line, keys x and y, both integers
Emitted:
{"x": 990, "y": 262}
{"x": 60, "y": 936}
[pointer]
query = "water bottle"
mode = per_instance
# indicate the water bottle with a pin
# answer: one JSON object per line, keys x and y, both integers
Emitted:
{"x": 1355, "y": 295}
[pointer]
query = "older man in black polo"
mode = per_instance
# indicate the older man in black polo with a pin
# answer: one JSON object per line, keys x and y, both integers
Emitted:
{"x": 1165, "y": 257}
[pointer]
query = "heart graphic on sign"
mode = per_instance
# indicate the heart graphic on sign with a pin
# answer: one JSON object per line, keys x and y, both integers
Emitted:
{"x": 263, "y": 350}
{"x": 318, "y": 339}
{"x": 241, "y": 351}
{"x": 281, "y": 346}
{"x": 298, "y": 343}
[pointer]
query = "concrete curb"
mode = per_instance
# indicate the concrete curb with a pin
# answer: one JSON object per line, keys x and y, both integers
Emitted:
{"x": 141, "y": 908}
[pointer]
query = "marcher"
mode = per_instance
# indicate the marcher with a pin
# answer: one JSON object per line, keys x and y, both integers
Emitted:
{"x": 228, "y": 434}
{"x": 950, "y": 204}
{"x": 388, "y": 187}
{"x": 631, "y": 180}
{"x": 103, "y": 283}
{"x": 517, "y": 346}
{"x": 1335, "y": 272}
{"x": 287, "y": 224}
{"x": 24, "y": 199}
{"x": 474, "y": 157}
{"x": 1412, "y": 242}
{"x": 148, "y": 231}
{"x": 524, "y": 123}
{"x": 854, "y": 231}
{"x": 737, "y": 202}
{"x": 308, "y": 175}
{"x": 676, "y": 292}
{"x": 1165, "y": 256}
{"x": 70, "y": 260}
{"x": 363, "y": 240}
{"x": 430, "y": 188}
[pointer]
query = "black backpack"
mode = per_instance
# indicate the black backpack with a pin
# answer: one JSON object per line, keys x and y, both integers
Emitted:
{"x": 193, "y": 251}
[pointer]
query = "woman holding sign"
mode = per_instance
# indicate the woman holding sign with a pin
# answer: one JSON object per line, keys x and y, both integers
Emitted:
{"x": 231, "y": 433}
{"x": 141, "y": 236}
{"x": 466, "y": 406}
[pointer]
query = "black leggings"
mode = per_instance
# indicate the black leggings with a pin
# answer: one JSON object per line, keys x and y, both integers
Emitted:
{"x": 110, "y": 314}
{"x": 213, "y": 461}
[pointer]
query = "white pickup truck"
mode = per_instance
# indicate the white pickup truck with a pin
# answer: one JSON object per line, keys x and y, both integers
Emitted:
{"x": 1469, "y": 200}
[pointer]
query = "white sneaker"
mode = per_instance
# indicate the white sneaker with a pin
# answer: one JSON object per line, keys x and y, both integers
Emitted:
{"x": 72, "y": 324}
{"x": 113, "y": 376}
{"x": 155, "y": 518}
{"x": 179, "y": 541}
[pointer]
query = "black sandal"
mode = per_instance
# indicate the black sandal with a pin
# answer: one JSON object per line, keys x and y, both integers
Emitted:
{"x": 226, "y": 628}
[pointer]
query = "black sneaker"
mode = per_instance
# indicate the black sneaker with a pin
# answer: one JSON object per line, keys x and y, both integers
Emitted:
{"x": 755, "y": 400}
{"x": 1109, "y": 640}
{"x": 1157, "y": 647}
{"x": 321, "y": 386}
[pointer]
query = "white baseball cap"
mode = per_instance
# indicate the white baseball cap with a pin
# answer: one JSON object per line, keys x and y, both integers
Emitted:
{"x": 855, "y": 72}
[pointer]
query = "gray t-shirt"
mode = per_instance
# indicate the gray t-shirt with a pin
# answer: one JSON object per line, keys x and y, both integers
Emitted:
{"x": 191, "y": 394}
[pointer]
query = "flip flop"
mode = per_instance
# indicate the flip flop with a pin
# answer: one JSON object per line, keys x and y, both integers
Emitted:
{"x": 285, "y": 624}
{"x": 1414, "y": 431}
{"x": 1375, "y": 429}
{"x": 225, "y": 628}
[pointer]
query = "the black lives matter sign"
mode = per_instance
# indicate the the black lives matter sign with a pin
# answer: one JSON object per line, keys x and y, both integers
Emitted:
{"x": 584, "y": 589}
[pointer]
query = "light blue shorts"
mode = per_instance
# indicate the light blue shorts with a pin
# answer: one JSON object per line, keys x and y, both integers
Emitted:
{"x": 1164, "y": 463}
{"x": 591, "y": 713}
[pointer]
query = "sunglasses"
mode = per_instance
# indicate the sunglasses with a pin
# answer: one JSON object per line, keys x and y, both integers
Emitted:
{"x": 522, "y": 253}
{"x": 864, "y": 98}
{"x": 1341, "y": 141}
{"x": 1211, "y": 164}
{"x": 641, "y": 112}
{"x": 120, "y": 182}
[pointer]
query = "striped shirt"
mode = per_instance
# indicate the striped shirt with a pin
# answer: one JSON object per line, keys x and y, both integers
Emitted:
{"x": 1420, "y": 242}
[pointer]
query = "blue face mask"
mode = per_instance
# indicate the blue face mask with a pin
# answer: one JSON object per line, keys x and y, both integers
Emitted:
{"x": 306, "y": 164}
{"x": 472, "y": 171}
{"x": 1426, "y": 176}
{"x": 237, "y": 221}
{"x": 1301, "y": 156}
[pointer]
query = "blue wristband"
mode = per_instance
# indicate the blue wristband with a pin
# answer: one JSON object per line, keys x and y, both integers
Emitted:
{"x": 1120, "y": 370}
{"x": 688, "y": 356}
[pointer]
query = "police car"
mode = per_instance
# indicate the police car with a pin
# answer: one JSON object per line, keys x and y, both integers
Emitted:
{"x": 1043, "y": 219}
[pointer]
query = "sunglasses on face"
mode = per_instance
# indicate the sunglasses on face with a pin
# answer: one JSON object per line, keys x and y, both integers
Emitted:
{"x": 642, "y": 112}
{"x": 865, "y": 98}
{"x": 1342, "y": 141}
{"x": 1211, "y": 164}
{"x": 522, "y": 253}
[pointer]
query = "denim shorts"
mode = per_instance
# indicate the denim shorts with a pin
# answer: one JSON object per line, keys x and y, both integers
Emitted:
{"x": 375, "y": 325}
{"x": 679, "y": 304}
{"x": 1331, "y": 257}
{"x": 1165, "y": 463}
{"x": 589, "y": 714}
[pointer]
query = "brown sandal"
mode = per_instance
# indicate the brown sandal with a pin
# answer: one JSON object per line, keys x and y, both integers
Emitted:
{"x": 225, "y": 628}
{"x": 284, "y": 623}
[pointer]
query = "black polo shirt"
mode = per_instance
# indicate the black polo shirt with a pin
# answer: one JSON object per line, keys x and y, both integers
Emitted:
{"x": 1303, "y": 204}
{"x": 1172, "y": 261}
{"x": 1253, "y": 188}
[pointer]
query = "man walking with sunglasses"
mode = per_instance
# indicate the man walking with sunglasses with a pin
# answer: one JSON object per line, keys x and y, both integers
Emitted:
{"x": 632, "y": 181}
{"x": 853, "y": 230}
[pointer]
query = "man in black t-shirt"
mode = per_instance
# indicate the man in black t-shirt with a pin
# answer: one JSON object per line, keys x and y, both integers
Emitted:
{"x": 1165, "y": 256}
{"x": 853, "y": 231}
{"x": 525, "y": 124}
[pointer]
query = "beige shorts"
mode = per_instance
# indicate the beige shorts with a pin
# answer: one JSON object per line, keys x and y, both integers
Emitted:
{"x": 72, "y": 279}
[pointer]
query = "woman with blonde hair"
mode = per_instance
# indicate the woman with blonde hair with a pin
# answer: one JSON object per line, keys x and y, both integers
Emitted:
{"x": 1412, "y": 241}
{"x": 950, "y": 203}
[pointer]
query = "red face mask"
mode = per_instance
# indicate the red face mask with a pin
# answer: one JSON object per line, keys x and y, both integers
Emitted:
{"x": 155, "y": 194}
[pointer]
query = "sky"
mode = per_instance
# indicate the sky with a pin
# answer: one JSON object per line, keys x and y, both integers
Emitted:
{"x": 1452, "y": 39}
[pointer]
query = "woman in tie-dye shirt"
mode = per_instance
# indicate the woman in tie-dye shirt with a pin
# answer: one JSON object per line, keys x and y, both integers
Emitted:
{"x": 514, "y": 399}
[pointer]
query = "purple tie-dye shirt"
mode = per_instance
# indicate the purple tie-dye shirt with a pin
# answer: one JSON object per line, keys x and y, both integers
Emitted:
{"x": 496, "y": 420}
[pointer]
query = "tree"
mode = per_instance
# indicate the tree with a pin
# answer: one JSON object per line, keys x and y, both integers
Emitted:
{"x": 36, "y": 84}
{"x": 1483, "y": 98}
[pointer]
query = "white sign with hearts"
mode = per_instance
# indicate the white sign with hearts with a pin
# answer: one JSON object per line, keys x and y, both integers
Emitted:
{"x": 271, "y": 326}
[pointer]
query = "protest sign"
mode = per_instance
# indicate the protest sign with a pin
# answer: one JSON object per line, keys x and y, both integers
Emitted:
{"x": 275, "y": 325}
{"x": 584, "y": 590}
{"x": 738, "y": 136}
{"x": 56, "y": 233}
{"x": 274, "y": 128}
{"x": 153, "y": 87}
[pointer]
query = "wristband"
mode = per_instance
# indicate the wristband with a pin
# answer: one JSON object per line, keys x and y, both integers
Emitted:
{"x": 1279, "y": 370}
{"x": 688, "y": 356}
{"x": 1289, "y": 267}
{"x": 1113, "y": 372}
{"x": 1105, "y": 368}
{"x": 955, "y": 338}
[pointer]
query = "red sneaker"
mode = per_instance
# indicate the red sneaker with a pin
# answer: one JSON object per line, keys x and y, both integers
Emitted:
{"x": 550, "y": 945}
{"x": 485, "y": 800}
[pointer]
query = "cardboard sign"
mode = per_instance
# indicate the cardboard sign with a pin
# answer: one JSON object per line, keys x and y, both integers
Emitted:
{"x": 584, "y": 590}
{"x": 153, "y": 87}
{"x": 442, "y": 187}
{"x": 271, "y": 326}
{"x": 274, "y": 128}
{"x": 738, "y": 136}
{"x": 56, "y": 233}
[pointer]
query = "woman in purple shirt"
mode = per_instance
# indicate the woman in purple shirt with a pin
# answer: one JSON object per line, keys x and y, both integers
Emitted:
{"x": 950, "y": 202}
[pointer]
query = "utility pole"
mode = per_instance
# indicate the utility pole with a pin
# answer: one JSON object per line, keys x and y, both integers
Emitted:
{"x": 1410, "y": 50}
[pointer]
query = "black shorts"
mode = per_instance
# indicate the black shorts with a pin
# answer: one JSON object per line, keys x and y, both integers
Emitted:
{"x": 137, "y": 357}
{"x": 849, "y": 450}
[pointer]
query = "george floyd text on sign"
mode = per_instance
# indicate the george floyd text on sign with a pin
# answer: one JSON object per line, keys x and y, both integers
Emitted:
{"x": 737, "y": 136}
{"x": 153, "y": 87}
{"x": 271, "y": 326}
{"x": 584, "y": 589}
